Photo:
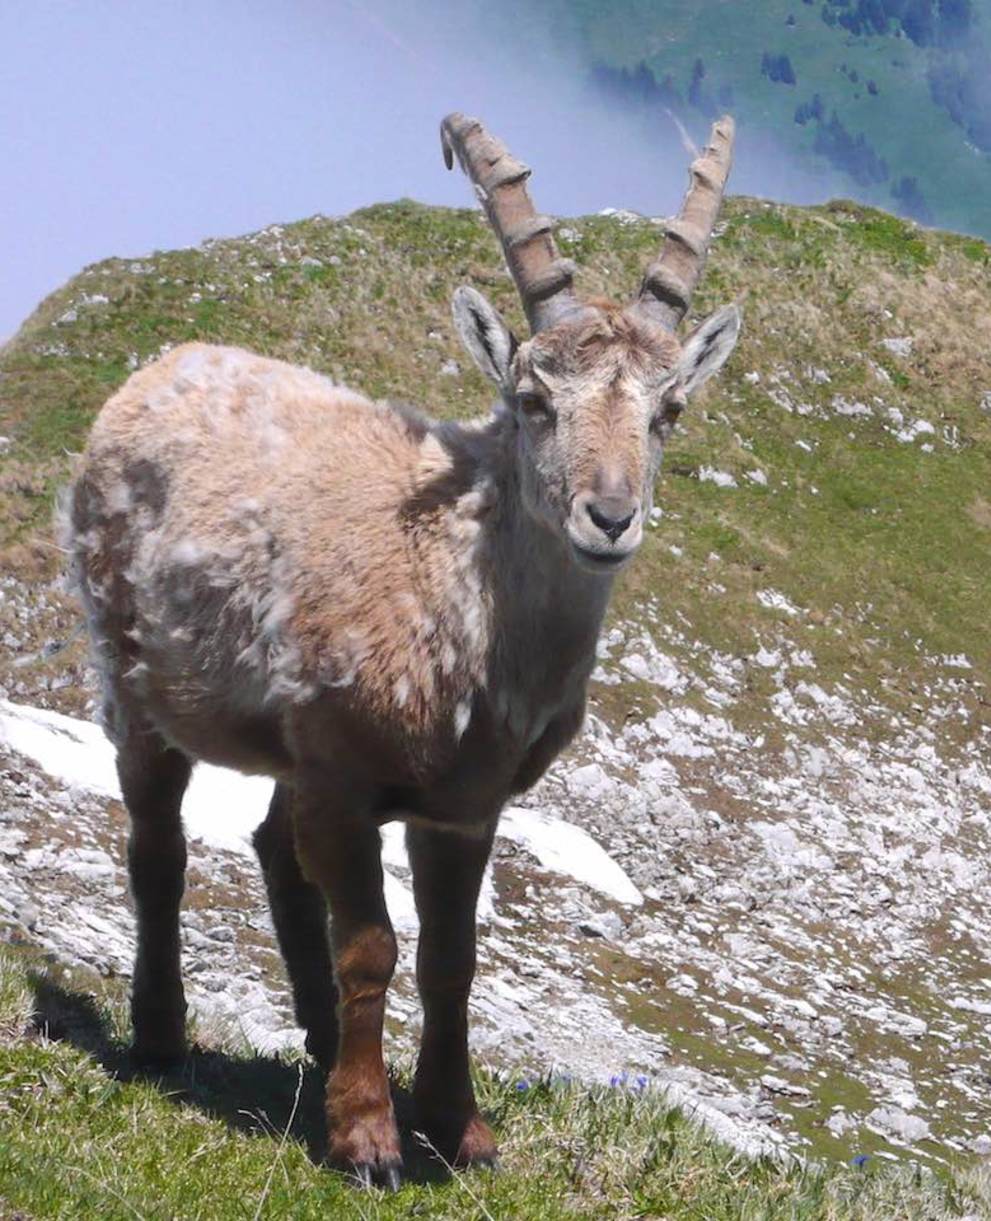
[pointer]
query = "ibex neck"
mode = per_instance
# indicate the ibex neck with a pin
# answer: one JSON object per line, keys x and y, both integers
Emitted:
{"x": 547, "y": 612}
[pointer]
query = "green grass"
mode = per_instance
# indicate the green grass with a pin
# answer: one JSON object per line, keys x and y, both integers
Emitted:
{"x": 238, "y": 1135}
{"x": 881, "y": 233}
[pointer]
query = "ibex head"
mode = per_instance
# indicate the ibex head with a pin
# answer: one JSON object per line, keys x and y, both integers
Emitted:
{"x": 597, "y": 387}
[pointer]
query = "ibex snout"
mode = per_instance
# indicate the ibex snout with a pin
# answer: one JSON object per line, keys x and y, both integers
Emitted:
{"x": 613, "y": 515}
{"x": 605, "y": 530}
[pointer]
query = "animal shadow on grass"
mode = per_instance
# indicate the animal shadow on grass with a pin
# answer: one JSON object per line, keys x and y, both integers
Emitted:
{"x": 255, "y": 1094}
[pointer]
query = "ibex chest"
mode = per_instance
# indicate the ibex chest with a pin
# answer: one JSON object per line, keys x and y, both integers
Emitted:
{"x": 471, "y": 785}
{"x": 514, "y": 734}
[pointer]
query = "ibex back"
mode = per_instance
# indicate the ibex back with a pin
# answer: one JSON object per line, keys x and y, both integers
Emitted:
{"x": 395, "y": 618}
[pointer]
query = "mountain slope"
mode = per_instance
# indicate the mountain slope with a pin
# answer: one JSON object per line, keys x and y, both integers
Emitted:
{"x": 902, "y": 121}
{"x": 787, "y": 753}
{"x": 885, "y": 100}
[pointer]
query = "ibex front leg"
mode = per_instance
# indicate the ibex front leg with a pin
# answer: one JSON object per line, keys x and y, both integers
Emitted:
{"x": 342, "y": 855}
{"x": 447, "y": 876}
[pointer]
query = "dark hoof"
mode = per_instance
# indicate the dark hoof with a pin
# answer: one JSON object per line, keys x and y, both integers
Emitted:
{"x": 369, "y": 1175}
{"x": 465, "y": 1144}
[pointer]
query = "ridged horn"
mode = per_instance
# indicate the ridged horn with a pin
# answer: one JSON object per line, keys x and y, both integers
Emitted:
{"x": 543, "y": 278}
{"x": 670, "y": 281}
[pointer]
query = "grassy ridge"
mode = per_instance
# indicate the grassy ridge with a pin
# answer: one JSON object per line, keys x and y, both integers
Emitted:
{"x": 878, "y": 538}
{"x": 236, "y": 1135}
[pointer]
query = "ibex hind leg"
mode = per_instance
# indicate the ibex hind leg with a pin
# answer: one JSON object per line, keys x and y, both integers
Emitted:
{"x": 153, "y": 779}
{"x": 299, "y": 913}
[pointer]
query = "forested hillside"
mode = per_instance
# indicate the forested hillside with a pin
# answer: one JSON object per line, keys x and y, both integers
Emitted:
{"x": 893, "y": 94}
{"x": 887, "y": 101}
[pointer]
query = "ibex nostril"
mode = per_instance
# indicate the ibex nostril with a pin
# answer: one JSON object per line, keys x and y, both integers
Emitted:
{"x": 611, "y": 525}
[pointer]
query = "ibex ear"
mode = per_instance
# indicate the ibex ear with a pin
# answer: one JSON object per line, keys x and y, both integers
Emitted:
{"x": 491, "y": 343}
{"x": 708, "y": 347}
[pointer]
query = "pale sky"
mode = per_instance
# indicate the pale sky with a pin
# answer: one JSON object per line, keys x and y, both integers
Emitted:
{"x": 128, "y": 126}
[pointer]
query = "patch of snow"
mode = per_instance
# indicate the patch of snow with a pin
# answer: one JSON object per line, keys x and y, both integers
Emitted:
{"x": 221, "y": 808}
{"x": 77, "y": 752}
{"x": 566, "y": 849}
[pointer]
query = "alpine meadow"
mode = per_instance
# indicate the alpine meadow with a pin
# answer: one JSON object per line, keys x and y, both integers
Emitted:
{"x": 734, "y": 946}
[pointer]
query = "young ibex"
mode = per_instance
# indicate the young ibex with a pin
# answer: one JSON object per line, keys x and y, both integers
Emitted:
{"x": 395, "y": 618}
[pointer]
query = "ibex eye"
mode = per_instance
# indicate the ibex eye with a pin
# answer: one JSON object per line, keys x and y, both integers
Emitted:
{"x": 667, "y": 414}
{"x": 534, "y": 405}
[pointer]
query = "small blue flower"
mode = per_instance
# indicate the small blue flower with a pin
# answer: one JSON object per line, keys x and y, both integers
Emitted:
{"x": 641, "y": 1082}
{"x": 522, "y": 1085}
{"x": 860, "y": 1160}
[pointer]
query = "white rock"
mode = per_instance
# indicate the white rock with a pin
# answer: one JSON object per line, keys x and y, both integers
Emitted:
{"x": 970, "y": 1006}
{"x": 722, "y": 479}
{"x": 839, "y": 1123}
{"x": 893, "y": 1121}
{"x": 684, "y": 984}
{"x": 778, "y": 1085}
{"x": 773, "y": 600}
